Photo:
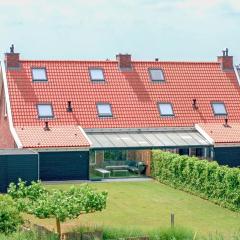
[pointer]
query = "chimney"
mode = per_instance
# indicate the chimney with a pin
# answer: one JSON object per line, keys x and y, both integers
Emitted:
{"x": 124, "y": 62}
{"x": 46, "y": 127}
{"x": 12, "y": 59}
{"x": 226, "y": 61}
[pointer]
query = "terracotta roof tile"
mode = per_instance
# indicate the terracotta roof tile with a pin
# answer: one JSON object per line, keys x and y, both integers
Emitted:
{"x": 58, "y": 136}
{"x": 221, "y": 133}
{"x": 132, "y": 95}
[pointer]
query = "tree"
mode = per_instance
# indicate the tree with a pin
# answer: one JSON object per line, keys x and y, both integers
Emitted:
{"x": 61, "y": 205}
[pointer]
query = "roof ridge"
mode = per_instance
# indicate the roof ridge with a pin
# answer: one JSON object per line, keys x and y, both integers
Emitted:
{"x": 115, "y": 61}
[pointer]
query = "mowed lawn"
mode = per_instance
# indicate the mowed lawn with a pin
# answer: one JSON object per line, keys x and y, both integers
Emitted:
{"x": 147, "y": 205}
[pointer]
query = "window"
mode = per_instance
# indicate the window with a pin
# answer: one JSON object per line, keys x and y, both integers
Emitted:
{"x": 104, "y": 110}
{"x": 165, "y": 109}
{"x": 45, "y": 110}
{"x": 156, "y": 75}
{"x": 92, "y": 154}
{"x": 39, "y": 74}
{"x": 219, "y": 108}
{"x": 96, "y": 74}
{"x": 183, "y": 151}
{"x": 115, "y": 155}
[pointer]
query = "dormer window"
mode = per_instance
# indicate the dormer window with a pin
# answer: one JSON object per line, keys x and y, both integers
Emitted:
{"x": 156, "y": 75}
{"x": 45, "y": 110}
{"x": 96, "y": 74}
{"x": 219, "y": 109}
{"x": 165, "y": 109}
{"x": 104, "y": 110}
{"x": 39, "y": 74}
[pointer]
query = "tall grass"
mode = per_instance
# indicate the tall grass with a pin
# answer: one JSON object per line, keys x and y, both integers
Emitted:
{"x": 120, "y": 233}
{"x": 110, "y": 233}
{"x": 123, "y": 233}
{"x": 29, "y": 235}
{"x": 172, "y": 234}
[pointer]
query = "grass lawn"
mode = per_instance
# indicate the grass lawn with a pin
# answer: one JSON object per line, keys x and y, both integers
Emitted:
{"x": 148, "y": 205}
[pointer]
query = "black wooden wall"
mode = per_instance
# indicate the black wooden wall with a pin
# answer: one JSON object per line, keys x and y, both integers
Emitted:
{"x": 13, "y": 167}
{"x": 227, "y": 156}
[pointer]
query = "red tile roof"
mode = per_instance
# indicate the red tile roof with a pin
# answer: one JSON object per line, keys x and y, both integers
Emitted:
{"x": 58, "y": 136}
{"x": 132, "y": 95}
{"x": 221, "y": 133}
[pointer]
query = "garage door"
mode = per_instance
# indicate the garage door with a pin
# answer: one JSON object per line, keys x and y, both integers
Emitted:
{"x": 57, "y": 166}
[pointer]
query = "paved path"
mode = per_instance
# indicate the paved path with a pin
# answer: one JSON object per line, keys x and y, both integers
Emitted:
{"x": 101, "y": 181}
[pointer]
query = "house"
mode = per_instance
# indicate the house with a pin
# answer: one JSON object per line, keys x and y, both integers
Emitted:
{"x": 105, "y": 117}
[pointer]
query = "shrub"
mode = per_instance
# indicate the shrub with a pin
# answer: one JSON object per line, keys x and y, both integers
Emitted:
{"x": 219, "y": 184}
{"x": 10, "y": 218}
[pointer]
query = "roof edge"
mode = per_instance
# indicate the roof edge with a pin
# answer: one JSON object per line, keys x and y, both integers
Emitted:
{"x": 9, "y": 111}
{"x": 115, "y": 61}
{"x": 163, "y": 129}
{"x": 204, "y": 133}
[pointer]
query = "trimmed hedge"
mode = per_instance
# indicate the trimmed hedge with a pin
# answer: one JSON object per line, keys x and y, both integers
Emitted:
{"x": 208, "y": 180}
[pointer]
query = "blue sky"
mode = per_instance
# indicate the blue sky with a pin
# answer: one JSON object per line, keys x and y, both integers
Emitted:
{"x": 99, "y": 29}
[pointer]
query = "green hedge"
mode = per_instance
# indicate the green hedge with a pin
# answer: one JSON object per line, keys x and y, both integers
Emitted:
{"x": 208, "y": 180}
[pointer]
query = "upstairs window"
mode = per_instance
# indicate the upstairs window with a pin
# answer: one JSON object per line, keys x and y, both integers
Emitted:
{"x": 104, "y": 110}
{"x": 165, "y": 109}
{"x": 96, "y": 74}
{"x": 219, "y": 108}
{"x": 156, "y": 75}
{"x": 39, "y": 74}
{"x": 45, "y": 110}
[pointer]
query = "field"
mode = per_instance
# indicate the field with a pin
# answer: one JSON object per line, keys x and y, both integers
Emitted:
{"x": 148, "y": 205}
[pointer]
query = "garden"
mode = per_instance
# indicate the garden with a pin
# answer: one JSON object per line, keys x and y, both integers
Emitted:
{"x": 205, "y": 209}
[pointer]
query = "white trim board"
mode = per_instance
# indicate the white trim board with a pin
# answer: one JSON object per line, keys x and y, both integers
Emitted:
{"x": 204, "y": 134}
{"x": 85, "y": 135}
{"x": 9, "y": 111}
{"x": 236, "y": 73}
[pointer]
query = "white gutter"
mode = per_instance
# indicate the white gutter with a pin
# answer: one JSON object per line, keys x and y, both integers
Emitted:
{"x": 9, "y": 111}
{"x": 204, "y": 134}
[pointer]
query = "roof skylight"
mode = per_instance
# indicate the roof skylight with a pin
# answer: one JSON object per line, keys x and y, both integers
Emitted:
{"x": 156, "y": 74}
{"x": 45, "y": 110}
{"x": 165, "y": 109}
{"x": 39, "y": 74}
{"x": 219, "y": 108}
{"x": 96, "y": 74}
{"x": 104, "y": 110}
